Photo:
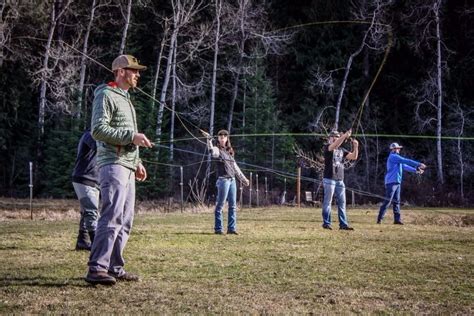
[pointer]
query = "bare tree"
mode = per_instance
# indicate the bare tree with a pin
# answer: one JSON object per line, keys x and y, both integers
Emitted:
{"x": 85, "y": 47}
{"x": 373, "y": 38}
{"x": 173, "y": 106}
{"x": 242, "y": 15}
{"x": 127, "y": 17}
{"x": 218, "y": 12}
{"x": 9, "y": 13}
{"x": 159, "y": 58}
{"x": 429, "y": 105}
{"x": 439, "y": 81}
{"x": 460, "y": 118}
{"x": 183, "y": 14}
{"x": 58, "y": 9}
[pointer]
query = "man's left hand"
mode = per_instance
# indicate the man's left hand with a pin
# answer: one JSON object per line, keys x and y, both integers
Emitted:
{"x": 140, "y": 173}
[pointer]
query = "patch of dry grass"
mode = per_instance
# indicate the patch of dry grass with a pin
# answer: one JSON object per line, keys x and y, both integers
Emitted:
{"x": 283, "y": 262}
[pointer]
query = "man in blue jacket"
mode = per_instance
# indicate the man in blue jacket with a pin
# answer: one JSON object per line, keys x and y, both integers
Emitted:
{"x": 85, "y": 179}
{"x": 396, "y": 164}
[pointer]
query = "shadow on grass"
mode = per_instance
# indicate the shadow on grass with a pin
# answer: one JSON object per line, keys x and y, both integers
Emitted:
{"x": 192, "y": 233}
{"x": 278, "y": 220}
{"x": 43, "y": 282}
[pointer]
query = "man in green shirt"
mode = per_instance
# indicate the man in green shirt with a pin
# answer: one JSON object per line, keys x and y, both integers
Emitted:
{"x": 114, "y": 127}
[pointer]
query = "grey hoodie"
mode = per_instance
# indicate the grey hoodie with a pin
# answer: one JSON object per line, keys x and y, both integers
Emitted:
{"x": 114, "y": 124}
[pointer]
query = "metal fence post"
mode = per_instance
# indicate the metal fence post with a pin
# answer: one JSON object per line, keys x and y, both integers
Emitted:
{"x": 181, "y": 186}
{"x": 266, "y": 191}
{"x": 31, "y": 190}
{"x": 256, "y": 179}
{"x": 250, "y": 191}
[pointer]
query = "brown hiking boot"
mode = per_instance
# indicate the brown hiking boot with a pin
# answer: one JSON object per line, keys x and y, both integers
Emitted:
{"x": 127, "y": 276}
{"x": 100, "y": 277}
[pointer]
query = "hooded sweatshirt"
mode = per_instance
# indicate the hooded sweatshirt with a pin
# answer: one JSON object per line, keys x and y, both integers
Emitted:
{"x": 114, "y": 124}
{"x": 85, "y": 169}
{"x": 396, "y": 164}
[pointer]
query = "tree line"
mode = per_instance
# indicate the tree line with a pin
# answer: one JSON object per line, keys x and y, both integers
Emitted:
{"x": 254, "y": 68}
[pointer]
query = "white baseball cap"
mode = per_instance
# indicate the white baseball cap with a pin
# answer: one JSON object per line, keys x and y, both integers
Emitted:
{"x": 395, "y": 145}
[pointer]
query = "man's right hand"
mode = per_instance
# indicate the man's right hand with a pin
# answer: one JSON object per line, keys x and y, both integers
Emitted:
{"x": 140, "y": 139}
{"x": 422, "y": 166}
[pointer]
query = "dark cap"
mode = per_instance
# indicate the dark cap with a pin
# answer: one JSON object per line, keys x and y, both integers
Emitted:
{"x": 127, "y": 61}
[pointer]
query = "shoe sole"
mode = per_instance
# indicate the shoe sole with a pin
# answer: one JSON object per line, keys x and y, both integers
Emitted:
{"x": 102, "y": 282}
{"x": 128, "y": 280}
{"x": 82, "y": 249}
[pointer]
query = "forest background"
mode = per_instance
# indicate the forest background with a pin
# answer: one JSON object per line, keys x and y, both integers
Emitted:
{"x": 274, "y": 73}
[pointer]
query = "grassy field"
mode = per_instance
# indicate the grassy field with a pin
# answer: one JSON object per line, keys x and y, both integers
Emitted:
{"x": 282, "y": 262}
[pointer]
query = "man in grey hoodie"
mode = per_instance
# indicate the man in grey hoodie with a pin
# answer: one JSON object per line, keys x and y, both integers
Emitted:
{"x": 114, "y": 127}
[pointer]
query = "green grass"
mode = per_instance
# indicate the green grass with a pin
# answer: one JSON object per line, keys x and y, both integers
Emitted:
{"x": 282, "y": 262}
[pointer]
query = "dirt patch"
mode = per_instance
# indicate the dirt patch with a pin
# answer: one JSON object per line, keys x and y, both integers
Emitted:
{"x": 467, "y": 220}
{"x": 441, "y": 219}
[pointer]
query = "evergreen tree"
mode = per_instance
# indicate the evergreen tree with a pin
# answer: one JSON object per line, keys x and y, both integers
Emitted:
{"x": 261, "y": 116}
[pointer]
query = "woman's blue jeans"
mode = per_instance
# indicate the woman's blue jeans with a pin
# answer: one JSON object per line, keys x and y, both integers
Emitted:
{"x": 392, "y": 195}
{"x": 226, "y": 191}
{"x": 337, "y": 188}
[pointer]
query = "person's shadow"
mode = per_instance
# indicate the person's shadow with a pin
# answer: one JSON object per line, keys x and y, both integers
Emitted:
{"x": 43, "y": 281}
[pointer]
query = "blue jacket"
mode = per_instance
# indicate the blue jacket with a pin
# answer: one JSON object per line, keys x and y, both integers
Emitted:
{"x": 395, "y": 166}
{"x": 85, "y": 169}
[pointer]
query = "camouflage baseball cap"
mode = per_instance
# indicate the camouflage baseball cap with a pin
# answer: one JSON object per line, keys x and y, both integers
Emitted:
{"x": 126, "y": 61}
{"x": 334, "y": 134}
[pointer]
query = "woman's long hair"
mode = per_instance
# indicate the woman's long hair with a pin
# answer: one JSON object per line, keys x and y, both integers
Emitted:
{"x": 227, "y": 147}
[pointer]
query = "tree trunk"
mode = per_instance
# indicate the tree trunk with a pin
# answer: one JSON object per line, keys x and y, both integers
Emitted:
{"x": 213, "y": 82}
{"x": 440, "y": 93}
{"x": 2, "y": 32}
{"x": 366, "y": 147}
{"x": 44, "y": 70}
{"x": 158, "y": 63}
{"x": 125, "y": 29}
{"x": 344, "y": 81}
{"x": 214, "y": 67}
{"x": 159, "y": 119}
{"x": 82, "y": 76}
{"x": 239, "y": 65}
{"x": 460, "y": 156}
{"x": 173, "y": 106}
{"x": 377, "y": 150}
{"x": 243, "y": 105}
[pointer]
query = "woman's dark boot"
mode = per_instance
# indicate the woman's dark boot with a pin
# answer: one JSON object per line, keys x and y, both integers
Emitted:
{"x": 92, "y": 236}
{"x": 83, "y": 242}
